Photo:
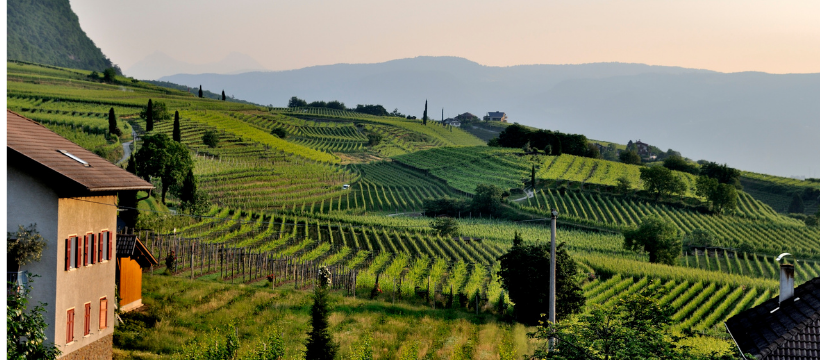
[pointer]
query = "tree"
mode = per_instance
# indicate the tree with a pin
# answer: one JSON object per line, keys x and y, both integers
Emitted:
{"x": 24, "y": 246}
{"x": 162, "y": 157}
{"x": 296, "y": 102}
{"x": 374, "y": 139}
{"x": 200, "y": 90}
{"x": 657, "y": 237}
{"x": 630, "y": 157}
{"x": 525, "y": 275}
{"x": 445, "y": 226}
{"x": 722, "y": 173}
{"x": 191, "y": 199}
{"x": 210, "y": 138}
{"x": 177, "y": 135}
{"x": 593, "y": 151}
{"x": 279, "y": 132}
{"x": 424, "y": 118}
{"x": 149, "y": 116}
{"x": 376, "y": 110}
{"x": 623, "y": 185}
{"x": 532, "y": 177}
{"x": 452, "y": 207}
{"x": 661, "y": 181}
{"x": 110, "y": 75}
{"x": 699, "y": 238}
{"x": 797, "y": 206}
{"x": 132, "y": 164}
{"x": 188, "y": 190}
{"x": 722, "y": 197}
{"x": 112, "y": 123}
{"x": 26, "y": 327}
{"x": 678, "y": 163}
{"x": 487, "y": 199}
{"x": 223, "y": 95}
{"x": 319, "y": 344}
{"x": 636, "y": 326}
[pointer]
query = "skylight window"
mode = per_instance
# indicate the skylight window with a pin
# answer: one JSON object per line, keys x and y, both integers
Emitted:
{"x": 81, "y": 161}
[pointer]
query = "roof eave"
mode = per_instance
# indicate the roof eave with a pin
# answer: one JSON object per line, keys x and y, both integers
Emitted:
{"x": 735, "y": 341}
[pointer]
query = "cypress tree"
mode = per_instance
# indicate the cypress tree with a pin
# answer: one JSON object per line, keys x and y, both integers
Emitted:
{"x": 177, "y": 135}
{"x": 319, "y": 344}
{"x": 132, "y": 164}
{"x": 532, "y": 178}
{"x": 187, "y": 193}
{"x": 200, "y": 90}
{"x": 797, "y": 206}
{"x": 112, "y": 123}
{"x": 223, "y": 95}
{"x": 424, "y": 119}
{"x": 149, "y": 116}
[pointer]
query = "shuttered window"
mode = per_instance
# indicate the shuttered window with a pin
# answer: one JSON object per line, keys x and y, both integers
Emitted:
{"x": 69, "y": 326}
{"x": 78, "y": 253}
{"x": 91, "y": 246}
{"x": 99, "y": 247}
{"x": 103, "y": 313}
{"x": 72, "y": 252}
{"x": 87, "y": 320}
{"x": 106, "y": 244}
{"x": 85, "y": 250}
{"x": 67, "y": 254}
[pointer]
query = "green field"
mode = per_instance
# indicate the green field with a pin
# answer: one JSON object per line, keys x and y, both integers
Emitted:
{"x": 286, "y": 198}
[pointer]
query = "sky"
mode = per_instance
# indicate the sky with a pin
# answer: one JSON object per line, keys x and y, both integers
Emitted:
{"x": 720, "y": 35}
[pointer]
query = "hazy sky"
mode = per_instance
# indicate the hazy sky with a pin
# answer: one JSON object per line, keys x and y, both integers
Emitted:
{"x": 722, "y": 35}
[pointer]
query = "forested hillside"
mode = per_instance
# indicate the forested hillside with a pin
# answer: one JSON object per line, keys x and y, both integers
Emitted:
{"x": 48, "y": 32}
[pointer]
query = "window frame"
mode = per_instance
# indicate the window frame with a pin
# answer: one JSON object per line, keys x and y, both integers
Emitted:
{"x": 87, "y": 320}
{"x": 73, "y": 242}
{"x": 69, "y": 335}
{"x": 103, "y": 323}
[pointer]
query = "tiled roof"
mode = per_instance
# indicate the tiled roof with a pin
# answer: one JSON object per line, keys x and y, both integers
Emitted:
{"x": 128, "y": 245}
{"x": 495, "y": 113}
{"x": 39, "y": 144}
{"x": 781, "y": 331}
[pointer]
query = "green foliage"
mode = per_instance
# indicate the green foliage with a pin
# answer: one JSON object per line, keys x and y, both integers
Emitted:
{"x": 722, "y": 197}
{"x": 623, "y": 185}
{"x": 525, "y": 275}
{"x": 296, "y": 102}
{"x": 200, "y": 91}
{"x": 161, "y": 157}
{"x": 363, "y": 350}
{"x": 678, "y": 163}
{"x": 376, "y": 110}
{"x": 630, "y": 157}
{"x": 452, "y": 207}
{"x": 445, "y": 226}
{"x": 699, "y": 238}
{"x": 110, "y": 75}
{"x": 722, "y": 173}
{"x": 319, "y": 343}
{"x": 213, "y": 348}
{"x": 516, "y": 136}
{"x": 112, "y": 123}
{"x": 25, "y": 246}
{"x": 487, "y": 199}
{"x": 155, "y": 111}
{"x": 26, "y": 327}
{"x": 48, "y": 32}
{"x": 280, "y": 132}
{"x": 272, "y": 348}
{"x": 374, "y": 139}
{"x": 662, "y": 181}
{"x": 797, "y": 206}
{"x": 657, "y": 237}
{"x": 177, "y": 134}
{"x": 210, "y": 138}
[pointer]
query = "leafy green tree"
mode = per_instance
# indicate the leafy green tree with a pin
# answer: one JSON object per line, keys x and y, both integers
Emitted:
{"x": 112, "y": 123}
{"x": 223, "y": 95}
{"x": 279, "y": 132}
{"x": 657, "y": 237}
{"x": 296, "y": 102}
{"x": 487, "y": 199}
{"x": 699, "y": 238}
{"x": 148, "y": 115}
{"x": 210, "y": 138}
{"x": 177, "y": 134}
{"x": 525, "y": 275}
{"x": 162, "y": 157}
{"x": 187, "y": 192}
{"x": 623, "y": 185}
{"x": 24, "y": 246}
{"x": 374, "y": 139}
{"x": 593, "y": 151}
{"x": 678, "y": 163}
{"x": 319, "y": 344}
{"x": 797, "y": 206}
{"x": 722, "y": 197}
{"x": 661, "y": 181}
{"x": 110, "y": 75}
{"x": 445, "y": 226}
{"x": 630, "y": 157}
{"x": 155, "y": 111}
{"x": 722, "y": 173}
{"x": 636, "y": 326}
{"x": 532, "y": 177}
{"x": 26, "y": 327}
{"x": 200, "y": 90}
{"x": 452, "y": 207}
{"x": 812, "y": 220}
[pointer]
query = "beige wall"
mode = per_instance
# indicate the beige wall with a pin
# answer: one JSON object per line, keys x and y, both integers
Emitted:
{"x": 78, "y": 216}
{"x": 30, "y": 201}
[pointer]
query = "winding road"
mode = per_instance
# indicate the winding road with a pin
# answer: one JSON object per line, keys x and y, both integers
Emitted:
{"x": 126, "y": 148}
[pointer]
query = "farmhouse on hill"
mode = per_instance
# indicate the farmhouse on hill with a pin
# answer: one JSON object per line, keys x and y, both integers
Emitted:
{"x": 496, "y": 116}
{"x": 71, "y": 195}
{"x": 783, "y": 328}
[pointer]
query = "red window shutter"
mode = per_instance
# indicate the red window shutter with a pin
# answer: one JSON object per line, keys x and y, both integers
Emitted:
{"x": 85, "y": 250}
{"x": 87, "y": 323}
{"x": 91, "y": 258}
{"x": 69, "y": 326}
{"x": 78, "y": 252}
{"x": 67, "y": 254}
{"x": 110, "y": 246}
{"x": 99, "y": 247}
{"x": 103, "y": 313}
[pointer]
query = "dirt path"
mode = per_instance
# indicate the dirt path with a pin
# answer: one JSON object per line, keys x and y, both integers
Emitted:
{"x": 126, "y": 148}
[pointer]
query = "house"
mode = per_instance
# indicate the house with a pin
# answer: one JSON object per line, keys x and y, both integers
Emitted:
{"x": 132, "y": 259}
{"x": 786, "y": 327}
{"x": 496, "y": 116}
{"x": 452, "y": 122}
{"x": 643, "y": 148}
{"x": 71, "y": 195}
{"x": 466, "y": 117}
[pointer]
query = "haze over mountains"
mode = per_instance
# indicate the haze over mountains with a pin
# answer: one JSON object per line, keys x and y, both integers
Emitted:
{"x": 754, "y": 121}
{"x": 159, "y": 64}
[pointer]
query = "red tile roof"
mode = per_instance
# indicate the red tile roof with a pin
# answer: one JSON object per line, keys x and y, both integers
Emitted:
{"x": 37, "y": 143}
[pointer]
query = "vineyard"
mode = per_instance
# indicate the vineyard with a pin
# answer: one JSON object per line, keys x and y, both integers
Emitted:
{"x": 346, "y": 190}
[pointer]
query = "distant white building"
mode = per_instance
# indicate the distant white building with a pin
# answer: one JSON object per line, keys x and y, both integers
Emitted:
{"x": 452, "y": 122}
{"x": 496, "y": 116}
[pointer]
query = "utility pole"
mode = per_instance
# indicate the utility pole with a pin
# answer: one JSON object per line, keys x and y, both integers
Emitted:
{"x": 553, "y": 220}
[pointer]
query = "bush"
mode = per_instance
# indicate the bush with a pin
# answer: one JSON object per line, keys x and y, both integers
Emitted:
{"x": 445, "y": 226}
{"x": 280, "y": 132}
{"x": 210, "y": 138}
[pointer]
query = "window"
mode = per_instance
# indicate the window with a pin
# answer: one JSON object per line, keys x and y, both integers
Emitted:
{"x": 78, "y": 252}
{"x": 99, "y": 247}
{"x": 87, "y": 320}
{"x": 103, "y": 313}
{"x": 106, "y": 245}
{"x": 92, "y": 259}
{"x": 85, "y": 249}
{"x": 69, "y": 326}
{"x": 72, "y": 253}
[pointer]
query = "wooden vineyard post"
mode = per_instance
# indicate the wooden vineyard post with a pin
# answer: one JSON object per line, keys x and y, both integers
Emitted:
{"x": 221, "y": 254}
{"x": 476, "y": 303}
{"x": 394, "y": 290}
{"x": 192, "y": 260}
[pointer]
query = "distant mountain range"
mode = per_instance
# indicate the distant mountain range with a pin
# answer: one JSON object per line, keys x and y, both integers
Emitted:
{"x": 49, "y": 32}
{"x": 159, "y": 64}
{"x": 754, "y": 121}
